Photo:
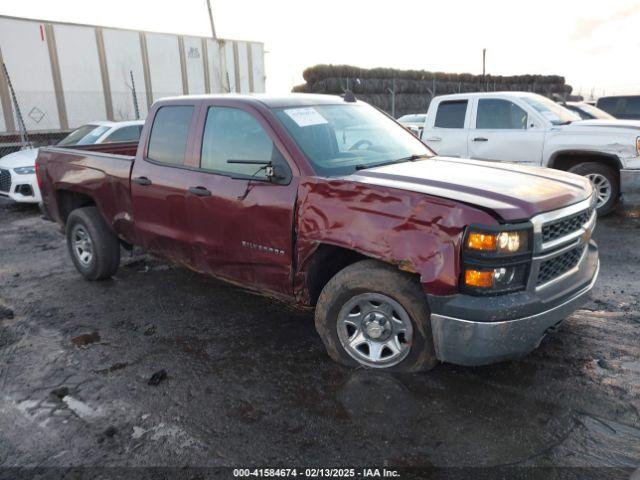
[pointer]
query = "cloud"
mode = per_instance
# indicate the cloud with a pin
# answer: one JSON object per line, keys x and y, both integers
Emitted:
{"x": 586, "y": 27}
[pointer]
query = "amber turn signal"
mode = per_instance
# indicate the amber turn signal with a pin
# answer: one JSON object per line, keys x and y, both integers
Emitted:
{"x": 478, "y": 278}
{"x": 482, "y": 241}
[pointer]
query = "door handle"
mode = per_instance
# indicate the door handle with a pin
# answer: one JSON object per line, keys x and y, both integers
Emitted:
{"x": 433, "y": 139}
{"x": 144, "y": 181}
{"x": 480, "y": 139}
{"x": 200, "y": 191}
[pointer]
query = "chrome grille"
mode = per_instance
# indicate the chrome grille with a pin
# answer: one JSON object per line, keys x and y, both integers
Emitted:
{"x": 5, "y": 180}
{"x": 556, "y": 266}
{"x": 565, "y": 226}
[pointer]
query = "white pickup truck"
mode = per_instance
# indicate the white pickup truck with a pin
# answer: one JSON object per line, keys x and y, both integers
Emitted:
{"x": 530, "y": 129}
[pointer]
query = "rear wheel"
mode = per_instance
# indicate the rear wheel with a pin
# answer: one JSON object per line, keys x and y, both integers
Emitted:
{"x": 372, "y": 315}
{"x": 605, "y": 181}
{"x": 94, "y": 248}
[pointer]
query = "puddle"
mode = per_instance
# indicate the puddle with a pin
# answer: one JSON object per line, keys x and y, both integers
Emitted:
{"x": 85, "y": 339}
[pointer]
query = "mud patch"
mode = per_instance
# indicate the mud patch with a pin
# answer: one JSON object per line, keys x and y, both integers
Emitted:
{"x": 113, "y": 368}
{"x": 86, "y": 339}
{"x": 6, "y": 313}
{"x": 7, "y": 337}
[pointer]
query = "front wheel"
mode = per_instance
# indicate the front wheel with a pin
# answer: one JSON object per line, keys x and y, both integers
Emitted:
{"x": 605, "y": 181}
{"x": 372, "y": 315}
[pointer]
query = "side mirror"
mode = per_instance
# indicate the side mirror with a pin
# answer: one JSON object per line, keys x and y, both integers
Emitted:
{"x": 275, "y": 173}
{"x": 278, "y": 174}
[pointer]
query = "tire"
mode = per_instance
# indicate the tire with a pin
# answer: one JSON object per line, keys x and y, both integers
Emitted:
{"x": 368, "y": 283}
{"x": 601, "y": 176}
{"x": 94, "y": 248}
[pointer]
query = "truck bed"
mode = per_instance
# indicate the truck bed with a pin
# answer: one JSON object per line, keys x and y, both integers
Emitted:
{"x": 95, "y": 174}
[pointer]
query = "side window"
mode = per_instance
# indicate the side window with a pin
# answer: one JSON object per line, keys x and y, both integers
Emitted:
{"x": 608, "y": 104}
{"x": 233, "y": 134}
{"x": 631, "y": 106}
{"x": 125, "y": 134}
{"x": 169, "y": 133}
{"x": 500, "y": 114}
{"x": 451, "y": 114}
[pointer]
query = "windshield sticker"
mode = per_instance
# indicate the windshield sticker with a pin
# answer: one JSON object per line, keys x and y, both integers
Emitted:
{"x": 306, "y": 117}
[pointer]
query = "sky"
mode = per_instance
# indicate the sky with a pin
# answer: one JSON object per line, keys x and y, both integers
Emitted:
{"x": 594, "y": 44}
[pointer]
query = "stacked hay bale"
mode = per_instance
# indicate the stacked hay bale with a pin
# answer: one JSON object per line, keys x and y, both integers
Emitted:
{"x": 414, "y": 89}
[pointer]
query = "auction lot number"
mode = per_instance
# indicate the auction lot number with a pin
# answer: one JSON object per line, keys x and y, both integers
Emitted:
{"x": 316, "y": 472}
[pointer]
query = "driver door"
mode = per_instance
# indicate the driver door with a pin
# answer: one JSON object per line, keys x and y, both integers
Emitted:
{"x": 242, "y": 222}
{"x": 501, "y": 131}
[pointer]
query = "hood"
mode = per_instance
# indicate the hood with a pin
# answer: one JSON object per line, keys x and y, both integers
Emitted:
{"x": 621, "y": 124}
{"x": 23, "y": 158}
{"x": 513, "y": 192}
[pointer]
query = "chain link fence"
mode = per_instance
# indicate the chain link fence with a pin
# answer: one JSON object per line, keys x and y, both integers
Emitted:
{"x": 31, "y": 119}
{"x": 12, "y": 142}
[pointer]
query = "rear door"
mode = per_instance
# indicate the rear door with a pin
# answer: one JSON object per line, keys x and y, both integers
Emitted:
{"x": 242, "y": 223}
{"x": 502, "y": 130}
{"x": 159, "y": 185}
{"x": 446, "y": 131}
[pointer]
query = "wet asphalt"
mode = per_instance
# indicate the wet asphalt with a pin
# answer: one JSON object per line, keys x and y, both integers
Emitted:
{"x": 161, "y": 366}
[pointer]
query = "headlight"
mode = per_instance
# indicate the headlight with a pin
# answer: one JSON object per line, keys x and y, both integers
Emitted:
{"x": 496, "y": 259}
{"x": 25, "y": 170}
{"x": 497, "y": 243}
{"x": 495, "y": 280}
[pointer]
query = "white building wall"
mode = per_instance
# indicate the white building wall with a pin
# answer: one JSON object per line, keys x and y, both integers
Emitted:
{"x": 26, "y": 55}
{"x": 257, "y": 59}
{"x": 123, "y": 54}
{"x": 243, "y": 67}
{"x": 164, "y": 65}
{"x": 81, "y": 81}
{"x": 229, "y": 80}
{"x": 216, "y": 75}
{"x": 194, "y": 60}
{"x": 3, "y": 126}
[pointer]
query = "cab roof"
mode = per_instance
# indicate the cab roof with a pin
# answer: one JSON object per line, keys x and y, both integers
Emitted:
{"x": 268, "y": 100}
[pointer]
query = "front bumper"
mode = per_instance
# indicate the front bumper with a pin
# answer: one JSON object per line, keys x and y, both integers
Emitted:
{"x": 470, "y": 343}
{"x": 479, "y": 330}
{"x": 20, "y": 188}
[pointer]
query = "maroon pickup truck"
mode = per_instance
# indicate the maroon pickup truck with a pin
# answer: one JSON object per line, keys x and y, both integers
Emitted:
{"x": 408, "y": 258}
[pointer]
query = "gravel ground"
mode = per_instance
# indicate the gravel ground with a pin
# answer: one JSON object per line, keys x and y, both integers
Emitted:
{"x": 161, "y": 366}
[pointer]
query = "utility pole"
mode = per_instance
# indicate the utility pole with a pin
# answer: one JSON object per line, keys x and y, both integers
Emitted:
{"x": 213, "y": 27}
{"x": 484, "y": 59}
{"x": 392, "y": 91}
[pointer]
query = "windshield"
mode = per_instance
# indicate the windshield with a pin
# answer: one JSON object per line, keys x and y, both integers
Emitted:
{"x": 340, "y": 139}
{"x": 595, "y": 112}
{"x": 550, "y": 110}
{"x": 84, "y": 135}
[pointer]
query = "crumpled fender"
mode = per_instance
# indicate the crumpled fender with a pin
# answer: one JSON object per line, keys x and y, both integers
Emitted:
{"x": 419, "y": 233}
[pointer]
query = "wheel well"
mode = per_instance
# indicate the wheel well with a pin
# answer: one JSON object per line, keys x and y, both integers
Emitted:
{"x": 327, "y": 261}
{"x": 69, "y": 201}
{"x": 566, "y": 160}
